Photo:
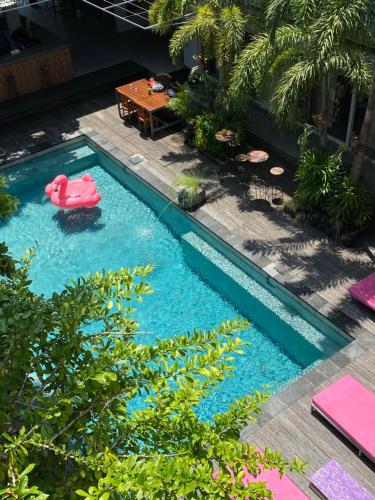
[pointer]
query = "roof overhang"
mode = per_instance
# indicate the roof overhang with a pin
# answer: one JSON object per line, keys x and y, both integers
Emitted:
{"x": 134, "y": 12}
{"x": 8, "y": 5}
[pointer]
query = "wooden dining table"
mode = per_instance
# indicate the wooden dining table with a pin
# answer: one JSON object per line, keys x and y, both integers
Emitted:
{"x": 138, "y": 93}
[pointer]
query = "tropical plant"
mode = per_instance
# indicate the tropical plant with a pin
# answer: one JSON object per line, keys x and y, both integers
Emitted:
{"x": 8, "y": 205}
{"x": 317, "y": 174}
{"x": 324, "y": 187}
{"x": 182, "y": 104}
{"x": 350, "y": 206}
{"x": 191, "y": 182}
{"x": 221, "y": 34}
{"x": 8, "y": 202}
{"x": 291, "y": 59}
{"x": 208, "y": 124}
{"x": 103, "y": 415}
{"x": 191, "y": 191}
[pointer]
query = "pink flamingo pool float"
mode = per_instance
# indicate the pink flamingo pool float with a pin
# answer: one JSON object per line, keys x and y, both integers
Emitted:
{"x": 73, "y": 194}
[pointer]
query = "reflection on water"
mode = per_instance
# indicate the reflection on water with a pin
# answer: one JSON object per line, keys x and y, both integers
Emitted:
{"x": 79, "y": 219}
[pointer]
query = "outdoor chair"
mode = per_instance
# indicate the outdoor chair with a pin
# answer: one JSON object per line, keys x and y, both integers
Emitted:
{"x": 144, "y": 119}
{"x": 164, "y": 79}
{"x": 333, "y": 482}
{"x": 350, "y": 408}
{"x": 127, "y": 109}
{"x": 277, "y": 196}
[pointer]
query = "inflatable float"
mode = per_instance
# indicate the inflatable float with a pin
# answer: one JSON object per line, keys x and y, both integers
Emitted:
{"x": 73, "y": 194}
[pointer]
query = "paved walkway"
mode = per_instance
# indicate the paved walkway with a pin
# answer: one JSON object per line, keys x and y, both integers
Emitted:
{"x": 297, "y": 256}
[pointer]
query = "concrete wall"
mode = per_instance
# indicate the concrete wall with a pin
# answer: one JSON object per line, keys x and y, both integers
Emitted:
{"x": 262, "y": 130}
{"x": 263, "y": 133}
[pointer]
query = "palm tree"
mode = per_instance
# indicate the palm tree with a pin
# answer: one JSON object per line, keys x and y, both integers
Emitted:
{"x": 221, "y": 34}
{"x": 292, "y": 59}
{"x": 220, "y": 28}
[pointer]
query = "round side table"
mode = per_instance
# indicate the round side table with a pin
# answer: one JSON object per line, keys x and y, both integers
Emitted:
{"x": 277, "y": 171}
{"x": 257, "y": 156}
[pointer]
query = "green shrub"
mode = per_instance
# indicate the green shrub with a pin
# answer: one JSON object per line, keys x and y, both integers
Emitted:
{"x": 8, "y": 202}
{"x": 182, "y": 103}
{"x": 350, "y": 205}
{"x": 207, "y": 125}
{"x": 326, "y": 192}
{"x": 317, "y": 175}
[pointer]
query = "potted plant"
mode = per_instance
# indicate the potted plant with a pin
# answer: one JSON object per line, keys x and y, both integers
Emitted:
{"x": 191, "y": 192}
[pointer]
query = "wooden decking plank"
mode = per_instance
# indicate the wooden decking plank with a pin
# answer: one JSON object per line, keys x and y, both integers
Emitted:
{"x": 268, "y": 438}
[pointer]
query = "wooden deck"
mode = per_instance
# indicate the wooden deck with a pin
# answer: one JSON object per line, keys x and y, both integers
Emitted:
{"x": 297, "y": 256}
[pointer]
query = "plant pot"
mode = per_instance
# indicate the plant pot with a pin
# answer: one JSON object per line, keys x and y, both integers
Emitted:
{"x": 191, "y": 201}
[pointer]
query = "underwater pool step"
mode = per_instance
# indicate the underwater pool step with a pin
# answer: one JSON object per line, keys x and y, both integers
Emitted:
{"x": 66, "y": 162}
{"x": 291, "y": 332}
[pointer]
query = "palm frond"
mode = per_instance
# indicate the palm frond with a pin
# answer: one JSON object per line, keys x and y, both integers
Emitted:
{"x": 202, "y": 26}
{"x": 162, "y": 13}
{"x": 339, "y": 20}
{"x": 354, "y": 65}
{"x": 277, "y": 12}
{"x": 294, "y": 84}
{"x": 305, "y": 12}
{"x": 231, "y": 36}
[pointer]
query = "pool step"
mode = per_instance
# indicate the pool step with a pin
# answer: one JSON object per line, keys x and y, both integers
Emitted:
{"x": 57, "y": 162}
{"x": 286, "y": 327}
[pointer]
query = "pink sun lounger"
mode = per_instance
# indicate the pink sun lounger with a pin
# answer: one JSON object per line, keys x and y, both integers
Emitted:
{"x": 283, "y": 488}
{"x": 364, "y": 291}
{"x": 332, "y": 482}
{"x": 350, "y": 408}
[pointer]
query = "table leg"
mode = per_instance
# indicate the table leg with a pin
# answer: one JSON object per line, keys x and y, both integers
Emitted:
{"x": 151, "y": 124}
{"x": 118, "y": 105}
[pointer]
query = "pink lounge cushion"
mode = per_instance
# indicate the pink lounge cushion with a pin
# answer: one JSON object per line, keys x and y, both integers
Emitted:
{"x": 351, "y": 407}
{"x": 283, "y": 488}
{"x": 364, "y": 291}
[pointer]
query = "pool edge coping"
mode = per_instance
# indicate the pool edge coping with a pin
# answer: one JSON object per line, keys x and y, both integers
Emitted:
{"x": 313, "y": 378}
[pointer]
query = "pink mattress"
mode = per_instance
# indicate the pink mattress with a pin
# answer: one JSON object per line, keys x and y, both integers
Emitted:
{"x": 351, "y": 408}
{"x": 283, "y": 488}
{"x": 364, "y": 291}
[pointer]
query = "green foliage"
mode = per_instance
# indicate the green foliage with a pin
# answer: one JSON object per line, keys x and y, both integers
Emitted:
{"x": 8, "y": 205}
{"x": 207, "y": 125}
{"x": 191, "y": 182}
{"x": 72, "y": 369}
{"x": 221, "y": 31}
{"x": 350, "y": 205}
{"x": 182, "y": 103}
{"x": 8, "y": 202}
{"x": 324, "y": 186}
{"x": 289, "y": 60}
{"x": 317, "y": 174}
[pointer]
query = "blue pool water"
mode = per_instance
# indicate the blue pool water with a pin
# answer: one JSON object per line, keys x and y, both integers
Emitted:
{"x": 196, "y": 282}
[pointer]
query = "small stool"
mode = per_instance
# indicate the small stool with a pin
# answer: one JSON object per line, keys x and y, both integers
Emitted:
{"x": 277, "y": 195}
{"x": 259, "y": 188}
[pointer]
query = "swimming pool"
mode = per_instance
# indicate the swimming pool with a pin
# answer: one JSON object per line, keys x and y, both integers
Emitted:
{"x": 198, "y": 281}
